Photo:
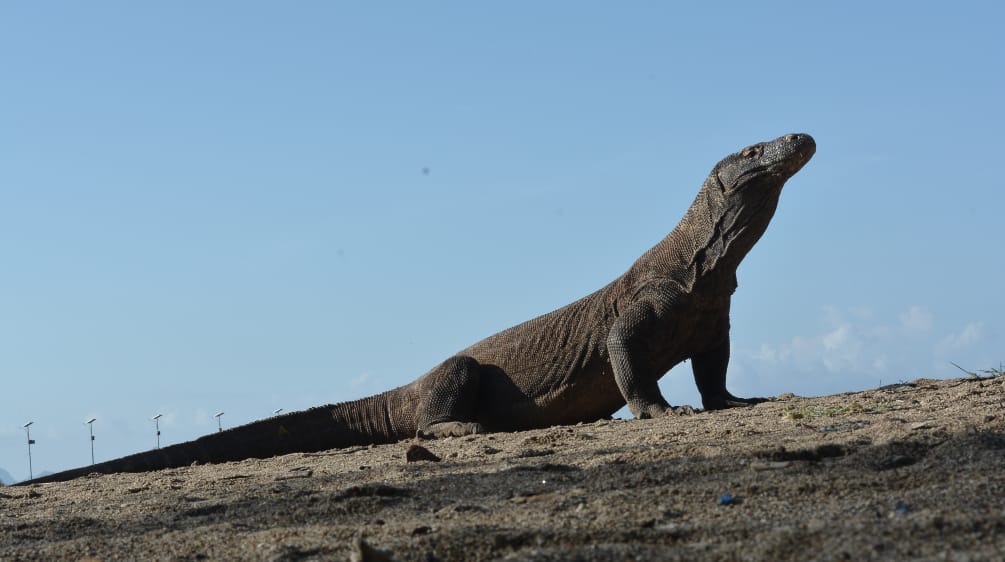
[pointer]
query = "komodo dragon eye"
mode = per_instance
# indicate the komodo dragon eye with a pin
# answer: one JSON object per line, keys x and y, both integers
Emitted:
{"x": 751, "y": 151}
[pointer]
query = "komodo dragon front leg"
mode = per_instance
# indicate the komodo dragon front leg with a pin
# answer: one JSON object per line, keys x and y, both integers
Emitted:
{"x": 628, "y": 346}
{"x": 709, "y": 369}
{"x": 652, "y": 319}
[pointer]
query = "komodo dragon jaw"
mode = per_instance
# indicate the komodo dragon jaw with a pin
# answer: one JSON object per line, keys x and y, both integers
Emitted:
{"x": 579, "y": 363}
{"x": 779, "y": 159}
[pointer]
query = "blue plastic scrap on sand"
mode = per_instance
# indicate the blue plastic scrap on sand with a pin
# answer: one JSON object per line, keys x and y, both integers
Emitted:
{"x": 727, "y": 499}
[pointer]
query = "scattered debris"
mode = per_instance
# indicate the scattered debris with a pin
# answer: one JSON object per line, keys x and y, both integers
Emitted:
{"x": 727, "y": 499}
{"x": 422, "y": 530}
{"x": 236, "y": 477}
{"x": 535, "y": 498}
{"x": 897, "y": 386}
{"x": 371, "y": 490}
{"x": 417, "y": 453}
{"x": 535, "y": 453}
{"x": 844, "y": 426}
{"x": 299, "y": 472}
{"x": 363, "y": 552}
{"x": 901, "y": 508}
{"x": 770, "y": 465}
{"x": 818, "y": 453}
{"x": 897, "y": 461}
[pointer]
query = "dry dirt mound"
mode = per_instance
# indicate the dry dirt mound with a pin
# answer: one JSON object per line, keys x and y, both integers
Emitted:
{"x": 911, "y": 471}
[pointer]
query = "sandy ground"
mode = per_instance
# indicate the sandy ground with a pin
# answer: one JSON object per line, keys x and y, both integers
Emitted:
{"x": 907, "y": 472}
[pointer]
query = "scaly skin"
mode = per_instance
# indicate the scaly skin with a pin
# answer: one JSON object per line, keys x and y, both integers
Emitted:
{"x": 579, "y": 363}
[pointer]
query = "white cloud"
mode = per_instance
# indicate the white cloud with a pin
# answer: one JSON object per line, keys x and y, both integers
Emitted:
{"x": 360, "y": 380}
{"x": 856, "y": 348}
{"x": 856, "y": 342}
{"x": 767, "y": 354}
{"x": 837, "y": 338}
{"x": 916, "y": 319}
{"x": 970, "y": 335}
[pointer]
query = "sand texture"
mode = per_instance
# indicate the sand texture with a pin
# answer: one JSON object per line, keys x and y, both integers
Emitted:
{"x": 912, "y": 471}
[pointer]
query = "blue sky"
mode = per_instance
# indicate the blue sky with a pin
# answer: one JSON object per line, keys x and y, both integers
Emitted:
{"x": 245, "y": 206}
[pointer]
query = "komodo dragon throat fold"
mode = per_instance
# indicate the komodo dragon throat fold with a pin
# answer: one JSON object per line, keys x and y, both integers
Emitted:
{"x": 579, "y": 363}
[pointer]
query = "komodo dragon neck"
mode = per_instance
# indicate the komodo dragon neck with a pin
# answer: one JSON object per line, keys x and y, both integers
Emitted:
{"x": 723, "y": 223}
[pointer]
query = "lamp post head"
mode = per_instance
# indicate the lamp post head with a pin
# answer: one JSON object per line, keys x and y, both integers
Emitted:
{"x": 90, "y": 421}
{"x": 27, "y": 424}
{"x": 157, "y": 417}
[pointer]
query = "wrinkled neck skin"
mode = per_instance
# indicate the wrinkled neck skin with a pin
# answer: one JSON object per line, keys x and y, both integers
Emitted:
{"x": 714, "y": 235}
{"x": 729, "y": 215}
{"x": 735, "y": 226}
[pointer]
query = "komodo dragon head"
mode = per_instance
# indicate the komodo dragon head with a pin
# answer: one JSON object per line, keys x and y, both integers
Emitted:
{"x": 740, "y": 195}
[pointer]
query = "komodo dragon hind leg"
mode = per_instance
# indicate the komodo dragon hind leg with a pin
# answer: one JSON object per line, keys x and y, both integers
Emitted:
{"x": 447, "y": 399}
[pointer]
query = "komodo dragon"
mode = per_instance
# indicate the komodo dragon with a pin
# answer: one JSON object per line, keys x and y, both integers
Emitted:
{"x": 579, "y": 363}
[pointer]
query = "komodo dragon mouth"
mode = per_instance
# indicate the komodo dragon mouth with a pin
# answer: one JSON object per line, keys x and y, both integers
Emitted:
{"x": 796, "y": 150}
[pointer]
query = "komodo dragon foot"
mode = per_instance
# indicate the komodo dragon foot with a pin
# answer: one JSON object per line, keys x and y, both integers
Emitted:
{"x": 449, "y": 429}
{"x": 723, "y": 401}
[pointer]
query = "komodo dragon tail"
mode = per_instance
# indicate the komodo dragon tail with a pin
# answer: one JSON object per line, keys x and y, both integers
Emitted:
{"x": 359, "y": 422}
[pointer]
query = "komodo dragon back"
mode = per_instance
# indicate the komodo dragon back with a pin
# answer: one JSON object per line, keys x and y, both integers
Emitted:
{"x": 580, "y": 362}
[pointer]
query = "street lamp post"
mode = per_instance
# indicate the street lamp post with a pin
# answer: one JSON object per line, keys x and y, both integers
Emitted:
{"x": 219, "y": 427}
{"x": 157, "y": 426}
{"x": 90, "y": 426}
{"x": 30, "y": 443}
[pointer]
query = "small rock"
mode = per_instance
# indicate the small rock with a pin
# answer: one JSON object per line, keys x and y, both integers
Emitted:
{"x": 418, "y": 453}
{"x": 422, "y": 530}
